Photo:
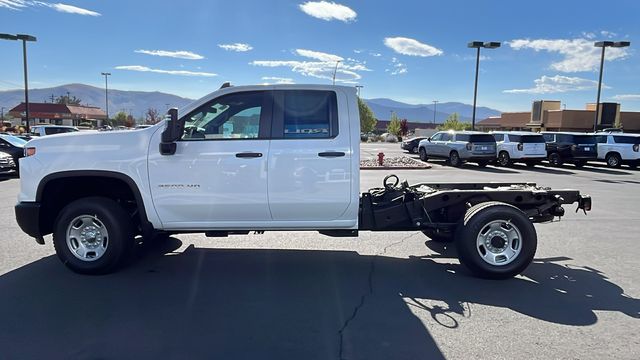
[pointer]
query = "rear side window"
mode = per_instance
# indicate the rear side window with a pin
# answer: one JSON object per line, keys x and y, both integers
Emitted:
{"x": 479, "y": 138}
{"x": 548, "y": 137}
{"x": 462, "y": 137}
{"x": 310, "y": 114}
{"x": 531, "y": 139}
{"x": 601, "y": 139}
{"x": 500, "y": 137}
{"x": 626, "y": 139}
{"x": 51, "y": 130}
{"x": 584, "y": 139}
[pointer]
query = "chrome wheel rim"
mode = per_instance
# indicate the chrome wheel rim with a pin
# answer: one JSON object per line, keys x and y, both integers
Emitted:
{"x": 613, "y": 161}
{"x": 87, "y": 238}
{"x": 499, "y": 242}
{"x": 454, "y": 158}
{"x": 503, "y": 159}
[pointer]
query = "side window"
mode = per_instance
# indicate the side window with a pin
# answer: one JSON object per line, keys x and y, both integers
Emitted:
{"x": 233, "y": 116}
{"x": 601, "y": 139}
{"x": 548, "y": 137}
{"x": 436, "y": 137}
{"x": 309, "y": 114}
{"x": 499, "y": 137}
{"x": 445, "y": 137}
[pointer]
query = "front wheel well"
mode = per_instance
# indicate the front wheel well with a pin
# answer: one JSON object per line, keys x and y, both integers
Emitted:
{"x": 57, "y": 193}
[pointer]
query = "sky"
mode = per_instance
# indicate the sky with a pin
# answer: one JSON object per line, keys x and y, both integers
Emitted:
{"x": 409, "y": 51}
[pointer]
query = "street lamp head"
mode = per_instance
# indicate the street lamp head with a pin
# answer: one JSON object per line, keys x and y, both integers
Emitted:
{"x": 105, "y": 74}
{"x": 603, "y": 43}
{"x": 8, "y": 37}
{"x": 491, "y": 45}
{"x": 621, "y": 44}
{"x": 25, "y": 37}
{"x": 475, "y": 44}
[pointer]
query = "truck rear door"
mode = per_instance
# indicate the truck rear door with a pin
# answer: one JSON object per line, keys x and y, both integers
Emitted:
{"x": 310, "y": 170}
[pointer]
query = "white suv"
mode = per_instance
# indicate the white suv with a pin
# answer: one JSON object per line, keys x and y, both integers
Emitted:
{"x": 520, "y": 146}
{"x": 618, "y": 148}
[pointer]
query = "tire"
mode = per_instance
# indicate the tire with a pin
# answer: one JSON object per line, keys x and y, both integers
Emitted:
{"x": 414, "y": 150}
{"x": 634, "y": 164}
{"x": 85, "y": 218}
{"x": 579, "y": 163}
{"x": 454, "y": 159}
{"x": 554, "y": 159}
{"x": 514, "y": 240}
{"x": 423, "y": 154}
{"x": 441, "y": 237}
{"x": 504, "y": 159}
{"x": 613, "y": 160}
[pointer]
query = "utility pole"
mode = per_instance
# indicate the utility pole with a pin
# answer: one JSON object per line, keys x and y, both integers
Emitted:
{"x": 604, "y": 45}
{"x": 477, "y": 45}
{"x": 335, "y": 71}
{"x": 106, "y": 93}
{"x": 435, "y": 106}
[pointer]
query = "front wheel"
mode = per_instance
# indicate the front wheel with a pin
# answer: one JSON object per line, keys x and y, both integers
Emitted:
{"x": 93, "y": 235}
{"x": 613, "y": 160}
{"x": 504, "y": 159}
{"x": 423, "y": 154}
{"x": 554, "y": 159}
{"x": 496, "y": 240}
{"x": 414, "y": 150}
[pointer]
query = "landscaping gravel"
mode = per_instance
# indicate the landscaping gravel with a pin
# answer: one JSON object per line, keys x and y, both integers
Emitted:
{"x": 398, "y": 161}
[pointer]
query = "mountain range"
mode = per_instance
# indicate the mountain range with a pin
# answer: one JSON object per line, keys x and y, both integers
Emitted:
{"x": 137, "y": 103}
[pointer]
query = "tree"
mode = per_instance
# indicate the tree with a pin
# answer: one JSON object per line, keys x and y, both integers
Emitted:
{"x": 67, "y": 100}
{"x": 404, "y": 127}
{"x": 453, "y": 123}
{"x": 367, "y": 119}
{"x": 120, "y": 118}
{"x": 130, "y": 121}
{"x": 394, "y": 126}
{"x": 152, "y": 116}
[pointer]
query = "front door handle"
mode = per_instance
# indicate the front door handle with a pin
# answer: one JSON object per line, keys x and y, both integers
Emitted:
{"x": 248, "y": 155}
{"x": 331, "y": 154}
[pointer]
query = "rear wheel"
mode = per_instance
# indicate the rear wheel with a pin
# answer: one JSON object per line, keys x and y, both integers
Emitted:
{"x": 554, "y": 159}
{"x": 613, "y": 160}
{"x": 579, "y": 163}
{"x": 93, "y": 235}
{"x": 531, "y": 163}
{"x": 454, "y": 159}
{"x": 496, "y": 240}
{"x": 423, "y": 154}
{"x": 634, "y": 164}
{"x": 414, "y": 150}
{"x": 504, "y": 159}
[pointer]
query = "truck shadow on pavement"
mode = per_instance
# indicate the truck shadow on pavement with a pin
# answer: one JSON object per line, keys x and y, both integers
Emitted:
{"x": 279, "y": 304}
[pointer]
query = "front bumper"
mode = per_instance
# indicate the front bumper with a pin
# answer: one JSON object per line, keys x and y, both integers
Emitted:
{"x": 28, "y": 218}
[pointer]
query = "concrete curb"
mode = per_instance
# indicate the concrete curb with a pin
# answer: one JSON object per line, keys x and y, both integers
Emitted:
{"x": 395, "y": 167}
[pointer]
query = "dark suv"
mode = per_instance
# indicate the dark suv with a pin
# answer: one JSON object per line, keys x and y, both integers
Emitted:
{"x": 567, "y": 147}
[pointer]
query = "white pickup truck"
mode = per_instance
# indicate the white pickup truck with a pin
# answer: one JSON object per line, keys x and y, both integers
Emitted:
{"x": 258, "y": 158}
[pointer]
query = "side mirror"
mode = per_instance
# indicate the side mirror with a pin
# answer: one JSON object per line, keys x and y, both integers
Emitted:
{"x": 429, "y": 139}
{"x": 172, "y": 133}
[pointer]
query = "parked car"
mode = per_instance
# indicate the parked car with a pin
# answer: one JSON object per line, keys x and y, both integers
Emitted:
{"x": 411, "y": 145}
{"x": 7, "y": 165}
{"x": 13, "y": 146}
{"x": 459, "y": 147}
{"x": 520, "y": 146}
{"x": 618, "y": 149}
{"x": 42, "y": 130}
{"x": 568, "y": 147}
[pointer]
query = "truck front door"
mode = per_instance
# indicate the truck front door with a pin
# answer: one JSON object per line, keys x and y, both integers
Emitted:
{"x": 217, "y": 177}
{"x": 310, "y": 174}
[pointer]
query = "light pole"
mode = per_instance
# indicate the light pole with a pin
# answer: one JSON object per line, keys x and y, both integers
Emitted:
{"x": 24, "y": 38}
{"x": 359, "y": 87}
{"x": 106, "y": 93}
{"x": 477, "y": 45}
{"x": 604, "y": 45}
{"x": 435, "y": 106}
{"x": 335, "y": 71}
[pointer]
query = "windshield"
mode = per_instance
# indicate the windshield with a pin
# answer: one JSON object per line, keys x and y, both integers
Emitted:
{"x": 15, "y": 141}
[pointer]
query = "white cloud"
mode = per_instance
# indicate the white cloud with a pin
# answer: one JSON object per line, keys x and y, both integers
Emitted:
{"x": 375, "y": 54}
{"x": 278, "y": 80}
{"x": 398, "y": 67}
{"x": 237, "y": 47}
{"x": 608, "y": 34}
{"x": 317, "y": 55}
{"x": 627, "y": 97}
{"x": 412, "y": 47}
{"x": 579, "y": 54}
{"x": 328, "y": 11}
{"x": 65, "y": 8}
{"x": 321, "y": 66}
{"x": 173, "y": 54}
{"x": 160, "y": 71}
{"x": 557, "y": 84}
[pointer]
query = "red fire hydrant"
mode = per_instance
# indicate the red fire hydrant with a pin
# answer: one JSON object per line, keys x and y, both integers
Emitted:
{"x": 380, "y": 158}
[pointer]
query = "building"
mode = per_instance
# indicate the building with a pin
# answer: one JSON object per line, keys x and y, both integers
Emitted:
{"x": 58, "y": 114}
{"x": 381, "y": 126}
{"x": 547, "y": 115}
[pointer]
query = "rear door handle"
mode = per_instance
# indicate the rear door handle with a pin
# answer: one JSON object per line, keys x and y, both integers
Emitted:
{"x": 331, "y": 154}
{"x": 248, "y": 155}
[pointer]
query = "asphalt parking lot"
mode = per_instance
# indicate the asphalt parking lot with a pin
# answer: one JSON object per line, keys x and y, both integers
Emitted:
{"x": 298, "y": 295}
